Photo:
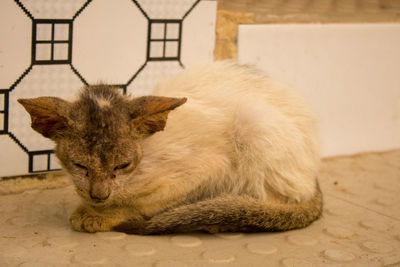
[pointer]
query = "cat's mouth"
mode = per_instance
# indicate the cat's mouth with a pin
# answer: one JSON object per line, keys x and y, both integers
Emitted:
{"x": 98, "y": 200}
{"x": 97, "y": 203}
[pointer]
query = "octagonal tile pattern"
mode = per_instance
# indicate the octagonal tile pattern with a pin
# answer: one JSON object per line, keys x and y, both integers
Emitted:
{"x": 176, "y": 9}
{"x": 44, "y": 9}
{"x": 35, "y": 231}
{"x": 191, "y": 40}
{"x": 10, "y": 149}
{"x": 144, "y": 82}
{"x": 56, "y": 80}
{"x": 15, "y": 46}
{"x": 110, "y": 41}
{"x": 54, "y": 47}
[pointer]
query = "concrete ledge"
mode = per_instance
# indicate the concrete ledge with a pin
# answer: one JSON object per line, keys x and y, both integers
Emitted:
{"x": 234, "y": 12}
{"x": 13, "y": 185}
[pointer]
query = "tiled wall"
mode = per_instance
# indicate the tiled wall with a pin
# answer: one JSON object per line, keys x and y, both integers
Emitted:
{"x": 55, "y": 47}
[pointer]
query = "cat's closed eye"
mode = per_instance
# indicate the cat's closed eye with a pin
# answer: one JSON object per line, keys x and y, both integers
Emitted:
{"x": 122, "y": 166}
{"x": 80, "y": 166}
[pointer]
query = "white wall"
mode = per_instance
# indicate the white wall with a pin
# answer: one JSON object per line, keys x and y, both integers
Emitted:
{"x": 350, "y": 74}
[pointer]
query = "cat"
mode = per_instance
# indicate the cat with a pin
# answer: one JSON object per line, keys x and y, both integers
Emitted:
{"x": 218, "y": 148}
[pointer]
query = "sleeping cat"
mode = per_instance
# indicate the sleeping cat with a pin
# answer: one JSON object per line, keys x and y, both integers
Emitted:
{"x": 218, "y": 148}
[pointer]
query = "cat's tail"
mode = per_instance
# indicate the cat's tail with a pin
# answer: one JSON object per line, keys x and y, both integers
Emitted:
{"x": 230, "y": 214}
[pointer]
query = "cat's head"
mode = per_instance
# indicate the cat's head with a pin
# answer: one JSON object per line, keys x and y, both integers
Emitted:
{"x": 98, "y": 137}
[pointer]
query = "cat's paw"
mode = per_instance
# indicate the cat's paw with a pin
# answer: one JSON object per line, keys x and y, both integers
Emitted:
{"x": 84, "y": 220}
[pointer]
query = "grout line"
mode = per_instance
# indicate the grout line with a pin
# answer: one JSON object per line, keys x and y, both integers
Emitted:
{"x": 361, "y": 206}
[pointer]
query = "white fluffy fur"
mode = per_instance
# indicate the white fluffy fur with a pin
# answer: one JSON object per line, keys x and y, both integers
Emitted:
{"x": 239, "y": 133}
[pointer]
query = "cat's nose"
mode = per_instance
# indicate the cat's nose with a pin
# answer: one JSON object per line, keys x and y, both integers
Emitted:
{"x": 99, "y": 192}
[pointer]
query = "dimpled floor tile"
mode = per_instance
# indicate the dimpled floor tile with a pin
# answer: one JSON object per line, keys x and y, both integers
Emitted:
{"x": 374, "y": 182}
{"x": 140, "y": 249}
{"x": 261, "y": 248}
{"x": 353, "y": 231}
{"x": 186, "y": 241}
{"x": 339, "y": 255}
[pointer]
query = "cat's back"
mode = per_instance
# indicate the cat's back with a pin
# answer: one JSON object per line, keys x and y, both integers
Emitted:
{"x": 236, "y": 112}
{"x": 225, "y": 82}
{"x": 210, "y": 82}
{"x": 226, "y": 87}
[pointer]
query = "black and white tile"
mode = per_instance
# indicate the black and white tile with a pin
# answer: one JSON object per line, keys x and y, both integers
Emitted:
{"x": 55, "y": 47}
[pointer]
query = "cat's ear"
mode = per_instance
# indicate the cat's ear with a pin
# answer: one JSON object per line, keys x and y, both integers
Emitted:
{"x": 48, "y": 115}
{"x": 150, "y": 113}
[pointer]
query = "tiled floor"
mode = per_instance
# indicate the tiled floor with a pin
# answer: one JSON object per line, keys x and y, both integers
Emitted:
{"x": 360, "y": 227}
